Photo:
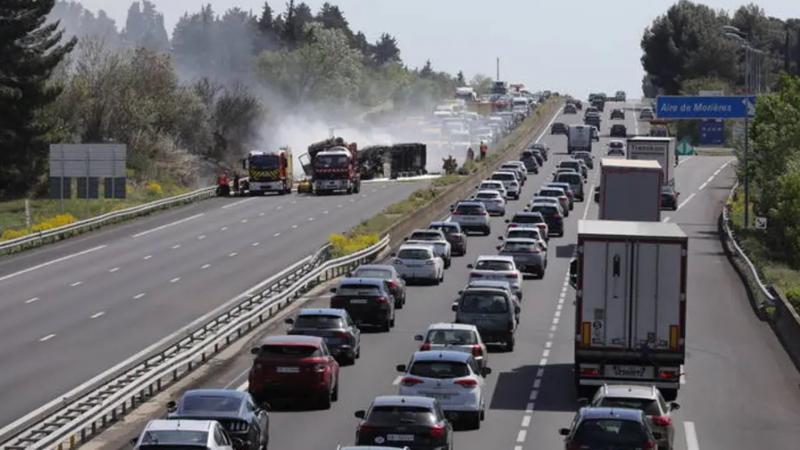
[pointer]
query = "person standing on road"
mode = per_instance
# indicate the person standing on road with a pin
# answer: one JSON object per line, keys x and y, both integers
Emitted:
{"x": 470, "y": 154}
{"x": 223, "y": 188}
{"x": 484, "y": 149}
{"x": 236, "y": 182}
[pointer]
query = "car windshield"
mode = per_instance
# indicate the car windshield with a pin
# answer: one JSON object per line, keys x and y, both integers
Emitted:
{"x": 491, "y": 186}
{"x": 173, "y": 437}
{"x": 522, "y": 247}
{"x": 569, "y": 164}
{"x": 389, "y": 415}
{"x": 373, "y": 273}
{"x": 484, "y": 303}
{"x": 439, "y": 369}
{"x": 550, "y": 193}
{"x": 504, "y": 176}
{"x": 330, "y": 161}
{"x": 217, "y": 403}
{"x": 359, "y": 289}
{"x": 526, "y": 219}
{"x": 319, "y": 322}
{"x": 649, "y": 406}
{"x": 451, "y": 337}
{"x": 571, "y": 178}
{"x": 446, "y": 229}
{"x": 494, "y": 265}
{"x": 414, "y": 253}
{"x": 299, "y": 351}
{"x": 470, "y": 210}
{"x": 597, "y": 432}
{"x": 265, "y": 161}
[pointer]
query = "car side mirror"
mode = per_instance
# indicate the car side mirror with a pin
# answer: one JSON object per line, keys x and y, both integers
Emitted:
{"x": 454, "y": 306}
{"x": 674, "y": 406}
{"x": 499, "y": 247}
{"x": 583, "y": 401}
{"x": 419, "y": 337}
{"x": 393, "y": 255}
{"x": 289, "y": 321}
{"x": 172, "y": 406}
{"x": 360, "y": 414}
{"x": 486, "y": 371}
{"x": 657, "y": 435}
{"x": 470, "y": 266}
{"x": 564, "y": 431}
{"x": 508, "y": 221}
{"x": 333, "y": 290}
{"x": 401, "y": 367}
{"x": 405, "y": 238}
{"x": 517, "y": 309}
{"x": 460, "y": 292}
{"x": 133, "y": 441}
{"x": 500, "y": 238}
{"x": 255, "y": 351}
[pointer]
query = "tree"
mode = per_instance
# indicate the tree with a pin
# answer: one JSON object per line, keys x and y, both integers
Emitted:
{"x": 330, "y": 16}
{"x": 82, "y": 23}
{"x": 427, "y": 70}
{"x": 268, "y": 34}
{"x": 481, "y": 83}
{"x": 295, "y": 23}
{"x": 460, "y": 79}
{"x": 145, "y": 27}
{"x": 385, "y": 50}
{"x": 29, "y": 53}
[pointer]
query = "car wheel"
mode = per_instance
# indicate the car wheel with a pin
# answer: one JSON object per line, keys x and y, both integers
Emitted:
{"x": 473, "y": 421}
{"x": 386, "y": 325}
{"x": 335, "y": 393}
{"x": 447, "y": 263}
{"x": 358, "y": 351}
{"x": 510, "y": 343}
{"x": 398, "y": 304}
{"x": 325, "y": 400}
{"x": 391, "y": 322}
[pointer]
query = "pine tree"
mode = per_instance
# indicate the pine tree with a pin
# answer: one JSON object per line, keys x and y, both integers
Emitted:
{"x": 427, "y": 70}
{"x": 460, "y": 79}
{"x": 385, "y": 50}
{"x": 29, "y": 52}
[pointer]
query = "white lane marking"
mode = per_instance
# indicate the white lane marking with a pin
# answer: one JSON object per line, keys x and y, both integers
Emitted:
{"x": 31, "y": 300}
{"x": 685, "y": 159}
{"x": 666, "y": 219}
{"x": 703, "y": 186}
{"x": 683, "y": 375}
{"x": 397, "y": 380}
{"x": 691, "y": 436}
{"x": 294, "y": 226}
{"x": 555, "y": 320}
{"x": 338, "y": 206}
{"x": 517, "y": 447}
{"x": 688, "y": 199}
{"x": 560, "y": 305}
{"x": 98, "y": 315}
{"x": 711, "y": 178}
{"x": 256, "y": 244}
{"x": 521, "y": 436}
{"x": 113, "y": 269}
{"x": 553, "y": 328}
{"x": 526, "y": 421}
{"x": 175, "y": 280}
{"x": 231, "y": 205}
{"x": 223, "y": 229}
{"x": 325, "y": 212}
{"x": 77, "y": 283}
{"x": 537, "y": 383}
{"x": 176, "y": 246}
{"x": 261, "y": 214}
{"x": 49, "y": 263}
{"x": 201, "y": 237}
{"x": 139, "y": 295}
{"x": 529, "y": 407}
{"x": 549, "y": 124}
{"x": 543, "y": 362}
{"x": 232, "y": 254}
{"x": 279, "y": 207}
{"x": 237, "y": 378}
{"x": 547, "y": 344}
{"x": 171, "y": 224}
{"x": 47, "y": 338}
{"x": 205, "y": 266}
{"x": 276, "y": 235}
{"x": 540, "y": 372}
{"x": 242, "y": 387}
{"x": 310, "y": 219}
{"x": 244, "y": 220}
{"x": 588, "y": 203}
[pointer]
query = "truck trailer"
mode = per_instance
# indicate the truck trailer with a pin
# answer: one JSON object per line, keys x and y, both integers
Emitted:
{"x": 392, "y": 161}
{"x": 579, "y": 138}
{"x": 661, "y": 149}
{"x": 630, "y": 308}
{"x": 630, "y": 190}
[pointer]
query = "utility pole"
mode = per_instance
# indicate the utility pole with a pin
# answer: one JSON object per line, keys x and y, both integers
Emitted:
{"x": 498, "y": 69}
{"x": 786, "y": 49}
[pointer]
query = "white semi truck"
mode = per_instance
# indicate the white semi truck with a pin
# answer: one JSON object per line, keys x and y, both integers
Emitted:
{"x": 630, "y": 308}
{"x": 630, "y": 190}
{"x": 579, "y": 138}
{"x": 661, "y": 149}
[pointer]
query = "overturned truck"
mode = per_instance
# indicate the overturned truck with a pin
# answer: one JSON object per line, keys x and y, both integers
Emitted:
{"x": 393, "y": 161}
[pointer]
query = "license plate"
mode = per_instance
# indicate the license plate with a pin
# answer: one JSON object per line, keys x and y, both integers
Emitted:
{"x": 400, "y": 437}
{"x": 629, "y": 371}
{"x": 437, "y": 395}
{"x": 359, "y": 301}
{"x": 288, "y": 370}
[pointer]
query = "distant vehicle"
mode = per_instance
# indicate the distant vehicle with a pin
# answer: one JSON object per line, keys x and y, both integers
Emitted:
{"x": 333, "y": 165}
{"x": 660, "y": 149}
{"x": 334, "y": 326}
{"x": 532, "y": 160}
{"x": 542, "y": 147}
{"x": 245, "y": 422}
{"x": 579, "y": 138}
{"x": 500, "y": 87}
{"x": 574, "y": 164}
{"x": 645, "y": 398}
{"x": 528, "y": 254}
{"x": 460, "y": 337}
{"x": 513, "y": 167}
{"x": 417, "y": 422}
{"x": 386, "y": 272}
{"x": 617, "y": 114}
{"x": 569, "y": 108}
{"x": 294, "y": 367}
{"x": 437, "y": 239}
{"x": 618, "y": 130}
{"x": 630, "y": 190}
{"x": 510, "y": 182}
{"x": 466, "y": 93}
{"x": 526, "y": 233}
{"x": 454, "y": 378}
{"x": 590, "y": 110}
{"x": 454, "y": 235}
{"x": 552, "y": 201}
{"x": 575, "y": 181}
{"x": 492, "y": 311}
{"x": 493, "y": 201}
{"x": 368, "y": 301}
{"x": 419, "y": 263}
{"x": 269, "y": 172}
{"x": 552, "y": 216}
{"x": 522, "y": 167}
{"x": 616, "y": 147}
{"x": 646, "y": 114}
{"x": 558, "y": 128}
{"x": 567, "y": 190}
{"x": 669, "y": 198}
{"x": 586, "y": 157}
{"x": 183, "y": 434}
{"x": 493, "y": 185}
{"x": 529, "y": 219}
{"x": 496, "y": 267}
{"x": 620, "y": 96}
{"x": 557, "y": 193}
{"x": 592, "y": 120}
{"x": 595, "y": 133}
{"x": 471, "y": 216}
{"x": 609, "y": 428}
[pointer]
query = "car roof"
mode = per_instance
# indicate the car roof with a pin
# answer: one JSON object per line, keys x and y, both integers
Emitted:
{"x": 445, "y": 224}
{"x": 404, "y": 400}
{"x": 242, "y": 395}
{"x": 179, "y": 424}
{"x": 525, "y": 214}
{"x": 603, "y": 412}
{"x": 441, "y": 355}
{"x": 359, "y": 280}
{"x": 470, "y": 203}
{"x": 521, "y": 240}
{"x": 629, "y": 391}
{"x": 489, "y": 191}
{"x": 480, "y": 282}
{"x": 552, "y": 188}
{"x": 322, "y": 312}
{"x": 530, "y": 229}
{"x": 452, "y": 326}
{"x": 295, "y": 339}
{"x": 374, "y": 267}
{"x": 495, "y": 258}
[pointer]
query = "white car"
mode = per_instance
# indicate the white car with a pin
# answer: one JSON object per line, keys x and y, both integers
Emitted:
{"x": 510, "y": 182}
{"x": 509, "y": 167}
{"x": 492, "y": 200}
{"x": 436, "y": 237}
{"x": 419, "y": 262}
{"x": 172, "y": 434}
{"x": 460, "y": 337}
{"x": 496, "y": 267}
{"x": 453, "y": 378}
{"x": 525, "y": 233}
{"x": 493, "y": 185}
{"x": 471, "y": 215}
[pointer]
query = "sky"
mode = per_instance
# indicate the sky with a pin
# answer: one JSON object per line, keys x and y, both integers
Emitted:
{"x": 568, "y": 46}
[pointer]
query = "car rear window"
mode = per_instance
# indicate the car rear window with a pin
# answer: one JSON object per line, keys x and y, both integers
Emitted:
{"x": 175, "y": 437}
{"x": 606, "y": 432}
{"x": 504, "y": 176}
{"x": 387, "y": 415}
{"x": 446, "y": 229}
{"x": 484, "y": 303}
{"x": 414, "y": 253}
{"x": 571, "y": 178}
{"x": 373, "y": 273}
{"x": 526, "y": 219}
{"x": 546, "y": 210}
{"x": 519, "y": 247}
{"x": 493, "y": 265}
{"x": 451, "y": 337}
{"x": 471, "y": 210}
{"x": 319, "y": 322}
{"x": 218, "y": 403}
{"x": 550, "y": 193}
{"x": 515, "y": 233}
{"x": 570, "y": 164}
{"x": 439, "y": 369}
{"x": 298, "y": 351}
{"x": 358, "y": 289}
{"x": 649, "y": 406}
{"x": 425, "y": 236}
{"x": 487, "y": 195}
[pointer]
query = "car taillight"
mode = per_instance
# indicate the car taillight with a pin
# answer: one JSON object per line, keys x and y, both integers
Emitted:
{"x": 425, "y": 346}
{"x": 590, "y": 372}
{"x": 364, "y": 428}
{"x": 392, "y": 284}
{"x": 438, "y": 431}
{"x": 317, "y": 368}
{"x": 511, "y": 276}
{"x": 383, "y": 300}
{"x": 649, "y": 445}
{"x": 468, "y": 383}
{"x": 477, "y": 350}
{"x": 342, "y": 334}
{"x": 662, "y": 421}
{"x": 410, "y": 381}
{"x": 512, "y": 225}
{"x": 455, "y": 213}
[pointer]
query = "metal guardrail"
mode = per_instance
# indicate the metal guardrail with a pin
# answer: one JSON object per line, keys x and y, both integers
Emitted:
{"x": 82, "y": 413}
{"x": 761, "y": 294}
{"x": 61, "y": 232}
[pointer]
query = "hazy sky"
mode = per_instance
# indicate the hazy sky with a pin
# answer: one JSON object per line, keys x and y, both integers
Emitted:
{"x": 574, "y": 46}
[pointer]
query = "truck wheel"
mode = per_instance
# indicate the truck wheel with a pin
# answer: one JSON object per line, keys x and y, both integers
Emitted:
{"x": 510, "y": 343}
{"x": 386, "y": 326}
{"x": 357, "y": 188}
{"x": 669, "y": 394}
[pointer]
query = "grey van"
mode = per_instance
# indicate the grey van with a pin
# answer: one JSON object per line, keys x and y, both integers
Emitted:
{"x": 492, "y": 311}
{"x": 575, "y": 181}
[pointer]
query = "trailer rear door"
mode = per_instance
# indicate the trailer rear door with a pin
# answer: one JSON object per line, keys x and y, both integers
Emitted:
{"x": 605, "y": 292}
{"x": 656, "y": 306}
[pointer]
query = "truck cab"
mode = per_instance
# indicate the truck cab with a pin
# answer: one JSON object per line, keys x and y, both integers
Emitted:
{"x": 269, "y": 172}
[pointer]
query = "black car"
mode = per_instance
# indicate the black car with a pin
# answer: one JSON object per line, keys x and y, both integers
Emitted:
{"x": 607, "y": 428}
{"x": 454, "y": 235}
{"x": 569, "y": 108}
{"x": 618, "y": 130}
{"x": 669, "y": 198}
{"x": 367, "y": 300}
{"x": 586, "y": 157}
{"x": 558, "y": 128}
{"x": 236, "y": 411}
{"x": 617, "y": 114}
{"x": 397, "y": 421}
{"x": 531, "y": 160}
{"x": 592, "y": 120}
{"x": 543, "y": 149}
{"x": 334, "y": 326}
{"x": 536, "y": 154}
{"x": 386, "y": 272}
{"x": 553, "y": 218}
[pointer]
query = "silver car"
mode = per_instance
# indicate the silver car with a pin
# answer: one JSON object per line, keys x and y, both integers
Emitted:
{"x": 436, "y": 237}
{"x": 471, "y": 216}
{"x": 526, "y": 233}
{"x": 510, "y": 182}
{"x": 528, "y": 254}
{"x": 549, "y": 201}
{"x": 493, "y": 185}
{"x": 459, "y": 337}
{"x": 493, "y": 200}
{"x": 419, "y": 262}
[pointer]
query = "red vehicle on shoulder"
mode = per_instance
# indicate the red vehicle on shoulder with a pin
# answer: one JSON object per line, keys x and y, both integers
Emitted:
{"x": 294, "y": 366}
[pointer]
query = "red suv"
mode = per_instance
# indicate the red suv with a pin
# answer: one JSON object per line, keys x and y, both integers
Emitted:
{"x": 292, "y": 367}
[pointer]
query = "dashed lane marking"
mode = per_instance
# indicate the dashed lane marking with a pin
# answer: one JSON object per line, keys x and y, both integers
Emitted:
{"x": 256, "y": 244}
{"x": 176, "y": 246}
{"x": 244, "y": 220}
{"x": 49, "y": 263}
{"x": 205, "y": 266}
{"x": 223, "y": 229}
{"x": 526, "y": 422}
{"x": 688, "y": 199}
{"x": 139, "y": 295}
{"x": 685, "y": 159}
{"x": 231, "y": 205}
{"x": 75, "y": 284}
{"x": 232, "y": 254}
{"x": 276, "y": 235}
{"x": 522, "y": 435}
{"x": 201, "y": 237}
{"x": 31, "y": 300}
{"x": 169, "y": 225}
{"x": 691, "y": 436}
{"x": 146, "y": 257}
{"x": 175, "y": 280}
{"x": 294, "y": 226}
{"x": 113, "y": 269}
{"x": 98, "y": 315}
{"x": 47, "y": 338}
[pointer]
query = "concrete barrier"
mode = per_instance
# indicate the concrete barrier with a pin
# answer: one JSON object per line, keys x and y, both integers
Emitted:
{"x": 785, "y": 323}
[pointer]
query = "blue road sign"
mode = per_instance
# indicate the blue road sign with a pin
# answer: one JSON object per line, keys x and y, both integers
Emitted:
{"x": 728, "y": 107}
{"x": 712, "y": 132}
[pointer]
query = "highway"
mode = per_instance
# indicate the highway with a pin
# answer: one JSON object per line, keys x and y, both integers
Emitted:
{"x": 740, "y": 391}
{"x": 68, "y": 311}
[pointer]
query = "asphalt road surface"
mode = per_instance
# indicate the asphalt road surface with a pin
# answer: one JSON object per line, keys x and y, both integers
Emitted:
{"x": 740, "y": 391}
{"x": 70, "y": 310}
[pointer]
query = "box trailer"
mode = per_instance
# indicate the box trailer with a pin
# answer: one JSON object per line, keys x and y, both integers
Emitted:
{"x": 630, "y": 309}
{"x": 630, "y": 190}
{"x": 579, "y": 138}
{"x": 661, "y": 149}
